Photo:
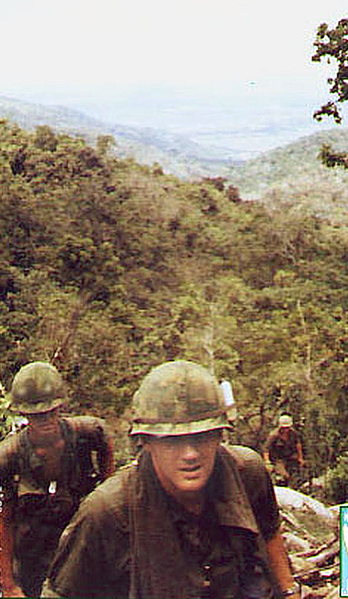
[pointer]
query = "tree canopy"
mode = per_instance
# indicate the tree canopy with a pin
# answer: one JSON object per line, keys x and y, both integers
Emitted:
{"x": 331, "y": 45}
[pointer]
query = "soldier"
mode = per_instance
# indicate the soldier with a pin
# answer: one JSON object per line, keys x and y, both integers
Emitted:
{"x": 188, "y": 518}
{"x": 283, "y": 451}
{"x": 45, "y": 470}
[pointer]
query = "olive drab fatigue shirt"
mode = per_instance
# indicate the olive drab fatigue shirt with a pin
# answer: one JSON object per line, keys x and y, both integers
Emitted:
{"x": 280, "y": 448}
{"x": 42, "y": 508}
{"x": 94, "y": 554}
{"x": 20, "y": 464}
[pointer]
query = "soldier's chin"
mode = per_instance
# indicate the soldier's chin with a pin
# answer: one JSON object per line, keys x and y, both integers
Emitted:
{"x": 192, "y": 481}
{"x": 47, "y": 429}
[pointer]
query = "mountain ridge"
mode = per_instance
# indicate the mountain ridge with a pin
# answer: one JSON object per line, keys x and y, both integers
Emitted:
{"x": 296, "y": 164}
{"x": 276, "y": 170}
{"x": 146, "y": 144}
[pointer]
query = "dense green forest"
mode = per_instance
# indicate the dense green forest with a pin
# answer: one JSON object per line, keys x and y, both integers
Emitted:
{"x": 109, "y": 268}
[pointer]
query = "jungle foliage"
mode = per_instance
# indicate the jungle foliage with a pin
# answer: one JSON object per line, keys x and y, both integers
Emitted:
{"x": 331, "y": 46}
{"x": 108, "y": 268}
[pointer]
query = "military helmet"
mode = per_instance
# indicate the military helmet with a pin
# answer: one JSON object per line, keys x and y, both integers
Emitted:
{"x": 37, "y": 387}
{"x": 285, "y": 421}
{"x": 178, "y": 398}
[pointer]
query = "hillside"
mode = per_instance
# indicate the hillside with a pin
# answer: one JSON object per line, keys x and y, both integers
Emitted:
{"x": 290, "y": 173}
{"x": 175, "y": 153}
{"x": 294, "y": 173}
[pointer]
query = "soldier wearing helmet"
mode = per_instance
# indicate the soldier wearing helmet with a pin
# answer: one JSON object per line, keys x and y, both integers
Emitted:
{"x": 45, "y": 470}
{"x": 283, "y": 451}
{"x": 188, "y": 518}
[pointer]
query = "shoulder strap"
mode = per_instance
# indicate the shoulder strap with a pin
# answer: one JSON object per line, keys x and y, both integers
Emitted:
{"x": 70, "y": 440}
{"x": 80, "y": 474}
{"x": 24, "y": 450}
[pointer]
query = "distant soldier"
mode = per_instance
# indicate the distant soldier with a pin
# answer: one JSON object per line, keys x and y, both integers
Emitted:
{"x": 188, "y": 519}
{"x": 45, "y": 470}
{"x": 283, "y": 451}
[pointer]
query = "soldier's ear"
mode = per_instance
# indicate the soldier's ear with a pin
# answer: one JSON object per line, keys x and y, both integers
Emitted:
{"x": 144, "y": 441}
{"x": 147, "y": 442}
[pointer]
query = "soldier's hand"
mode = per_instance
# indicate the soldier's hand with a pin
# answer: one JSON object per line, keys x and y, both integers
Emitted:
{"x": 13, "y": 591}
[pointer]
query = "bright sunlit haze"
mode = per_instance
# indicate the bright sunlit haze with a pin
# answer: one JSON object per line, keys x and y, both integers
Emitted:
{"x": 180, "y": 65}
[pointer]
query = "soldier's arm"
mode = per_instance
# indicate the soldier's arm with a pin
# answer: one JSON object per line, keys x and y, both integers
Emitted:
{"x": 274, "y": 543}
{"x": 300, "y": 457}
{"x": 267, "y": 460}
{"x": 106, "y": 460}
{"x": 8, "y": 585}
{"x": 267, "y": 449}
{"x": 105, "y": 449}
{"x": 263, "y": 501}
{"x": 100, "y": 440}
{"x": 279, "y": 562}
{"x": 47, "y": 591}
{"x": 267, "y": 452}
{"x": 8, "y": 467}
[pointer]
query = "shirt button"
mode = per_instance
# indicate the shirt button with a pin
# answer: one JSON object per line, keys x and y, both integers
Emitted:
{"x": 206, "y": 582}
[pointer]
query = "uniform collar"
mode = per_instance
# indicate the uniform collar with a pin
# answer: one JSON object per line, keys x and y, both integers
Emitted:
{"x": 232, "y": 504}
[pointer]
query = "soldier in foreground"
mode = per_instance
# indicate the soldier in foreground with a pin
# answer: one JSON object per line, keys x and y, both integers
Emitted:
{"x": 188, "y": 519}
{"x": 45, "y": 470}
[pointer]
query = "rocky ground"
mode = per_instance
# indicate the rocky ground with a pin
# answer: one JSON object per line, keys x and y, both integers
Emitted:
{"x": 311, "y": 533}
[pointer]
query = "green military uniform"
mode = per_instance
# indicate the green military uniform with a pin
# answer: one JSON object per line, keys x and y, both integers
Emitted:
{"x": 42, "y": 507}
{"x": 130, "y": 539}
{"x": 189, "y": 520}
{"x": 282, "y": 452}
{"x": 282, "y": 449}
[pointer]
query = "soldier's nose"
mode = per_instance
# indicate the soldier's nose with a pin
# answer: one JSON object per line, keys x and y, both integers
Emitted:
{"x": 189, "y": 451}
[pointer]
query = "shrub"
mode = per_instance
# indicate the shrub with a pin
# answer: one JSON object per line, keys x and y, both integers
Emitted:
{"x": 337, "y": 481}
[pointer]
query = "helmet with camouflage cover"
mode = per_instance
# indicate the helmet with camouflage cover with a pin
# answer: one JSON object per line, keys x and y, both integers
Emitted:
{"x": 37, "y": 387}
{"x": 178, "y": 398}
{"x": 285, "y": 421}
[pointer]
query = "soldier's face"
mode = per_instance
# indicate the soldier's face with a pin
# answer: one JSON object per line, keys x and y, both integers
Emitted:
{"x": 44, "y": 423}
{"x": 184, "y": 463}
{"x": 284, "y": 431}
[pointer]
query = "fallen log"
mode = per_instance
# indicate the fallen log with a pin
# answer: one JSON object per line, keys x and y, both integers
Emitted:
{"x": 318, "y": 550}
{"x": 325, "y": 555}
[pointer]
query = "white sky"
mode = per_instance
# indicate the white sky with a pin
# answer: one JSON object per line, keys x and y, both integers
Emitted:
{"x": 46, "y": 44}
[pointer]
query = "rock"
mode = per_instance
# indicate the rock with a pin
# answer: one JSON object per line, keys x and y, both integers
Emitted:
{"x": 311, "y": 533}
{"x": 287, "y": 497}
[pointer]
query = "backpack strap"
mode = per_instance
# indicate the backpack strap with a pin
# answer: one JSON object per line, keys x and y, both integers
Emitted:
{"x": 81, "y": 475}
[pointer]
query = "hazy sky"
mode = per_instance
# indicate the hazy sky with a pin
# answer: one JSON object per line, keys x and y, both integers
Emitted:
{"x": 51, "y": 44}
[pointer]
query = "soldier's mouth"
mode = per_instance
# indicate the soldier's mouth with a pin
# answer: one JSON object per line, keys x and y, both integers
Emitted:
{"x": 190, "y": 468}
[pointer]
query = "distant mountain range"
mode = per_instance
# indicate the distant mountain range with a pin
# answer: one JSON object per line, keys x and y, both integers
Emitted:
{"x": 176, "y": 153}
{"x": 285, "y": 170}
